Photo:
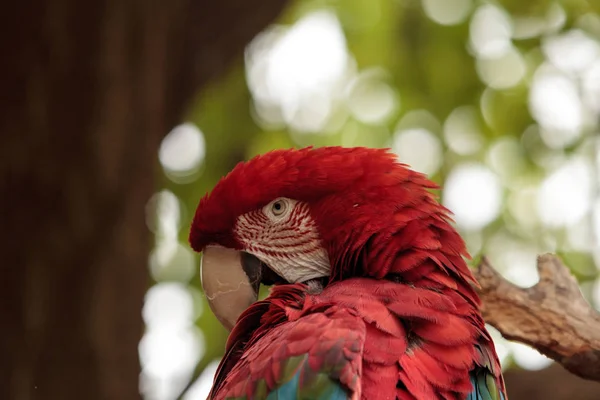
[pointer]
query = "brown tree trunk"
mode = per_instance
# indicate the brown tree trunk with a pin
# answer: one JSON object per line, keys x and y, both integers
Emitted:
{"x": 89, "y": 89}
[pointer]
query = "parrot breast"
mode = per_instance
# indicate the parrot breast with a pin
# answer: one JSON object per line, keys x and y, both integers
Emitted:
{"x": 365, "y": 338}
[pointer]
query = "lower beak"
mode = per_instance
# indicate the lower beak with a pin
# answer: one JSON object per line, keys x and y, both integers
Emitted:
{"x": 231, "y": 280}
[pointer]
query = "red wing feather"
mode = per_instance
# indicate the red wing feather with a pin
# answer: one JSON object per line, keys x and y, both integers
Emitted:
{"x": 332, "y": 340}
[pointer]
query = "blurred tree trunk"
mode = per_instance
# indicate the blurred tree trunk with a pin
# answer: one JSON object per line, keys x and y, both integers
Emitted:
{"x": 89, "y": 90}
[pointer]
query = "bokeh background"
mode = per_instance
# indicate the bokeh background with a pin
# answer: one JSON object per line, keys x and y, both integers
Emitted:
{"x": 133, "y": 110}
{"x": 497, "y": 101}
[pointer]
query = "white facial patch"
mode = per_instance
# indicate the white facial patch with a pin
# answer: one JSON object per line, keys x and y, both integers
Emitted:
{"x": 284, "y": 236}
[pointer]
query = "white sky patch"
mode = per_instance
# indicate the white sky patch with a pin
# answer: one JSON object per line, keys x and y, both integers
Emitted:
{"x": 297, "y": 71}
{"x": 502, "y": 72}
{"x": 370, "y": 99}
{"x": 473, "y": 193}
{"x": 447, "y": 12}
{"x": 461, "y": 131}
{"x": 490, "y": 32}
{"x": 420, "y": 149}
{"x": 183, "y": 150}
{"x": 528, "y": 358}
{"x": 555, "y": 104}
{"x": 565, "y": 196}
{"x": 572, "y": 51}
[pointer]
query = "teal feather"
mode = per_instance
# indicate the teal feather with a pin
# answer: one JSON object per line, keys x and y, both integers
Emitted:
{"x": 328, "y": 389}
{"x": 286, "y": 391}
{"x": 484, "y": 386}
{"x": 317, "y": 358}
{"x": 300, "y": 382}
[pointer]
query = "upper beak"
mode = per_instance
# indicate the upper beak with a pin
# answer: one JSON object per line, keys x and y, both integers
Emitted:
{"x": 231, "y": 280}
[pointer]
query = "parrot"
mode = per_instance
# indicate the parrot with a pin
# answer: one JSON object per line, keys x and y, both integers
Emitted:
{"x": 370, "y": 293}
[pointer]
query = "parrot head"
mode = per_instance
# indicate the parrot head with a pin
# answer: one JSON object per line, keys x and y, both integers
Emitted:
{"x": 314, "y": 215}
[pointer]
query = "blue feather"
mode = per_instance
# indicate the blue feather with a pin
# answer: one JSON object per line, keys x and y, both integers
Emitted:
{"x": 481, "y": 391}
{"x": 291, "y": 390}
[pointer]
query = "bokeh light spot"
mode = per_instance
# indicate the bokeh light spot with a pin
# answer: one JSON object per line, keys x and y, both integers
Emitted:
{"x": 591, "y": 86}
{"x": 420, "y": 149}
{"x": 447, "y": 12}
{"x": 504, "y": 71}
{"x": 505, "y": 156}
{"x": 501, "y": 344}
{"x": 529, "y": 358}
{"x": 297, "y": 72}
{"x": 419, "y": 119}
{"x": 182, "y": 151}
{"x": 514, "y": 258}
{"x": 201, "y": 388}
{"x": 172, "y": 261}
{"x": 168, "y": 358}
{"x": 566, "y": 194}
{"x": 172, "y": 345}
{"x": 530, "y": 26}
{"x": 522, "y": 204}
{"x": 473, "y": 193}
{"x": 572, "y": 51}
{"x": 580, "y": 235}
{"x": 168, "y": 305}
{"x": 490, "y": 31}
{"x": 596, "y": 294}
{"x": 461, "y": 131}
{"x": 370, "y": 98}
{"x": 554, "y": 102}
{"x": 163, "y": 215}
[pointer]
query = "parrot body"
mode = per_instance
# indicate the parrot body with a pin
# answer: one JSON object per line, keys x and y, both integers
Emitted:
{"x": 372, "y": 297}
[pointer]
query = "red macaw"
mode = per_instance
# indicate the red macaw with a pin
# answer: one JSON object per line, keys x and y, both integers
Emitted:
{"x": 372, "y": 298}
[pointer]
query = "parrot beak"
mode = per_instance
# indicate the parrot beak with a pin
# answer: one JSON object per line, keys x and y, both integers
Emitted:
{"x": 231, "y": 280}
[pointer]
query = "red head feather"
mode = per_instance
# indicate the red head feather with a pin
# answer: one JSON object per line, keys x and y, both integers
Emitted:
{"x": 360, "y": 199}
{"x": 305, "y": 175}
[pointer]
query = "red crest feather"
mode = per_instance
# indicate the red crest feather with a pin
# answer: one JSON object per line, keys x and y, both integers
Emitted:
{"x": 347, "y": 189}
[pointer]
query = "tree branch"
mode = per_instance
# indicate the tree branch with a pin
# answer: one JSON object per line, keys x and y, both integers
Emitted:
{"x": 552, "y": 316}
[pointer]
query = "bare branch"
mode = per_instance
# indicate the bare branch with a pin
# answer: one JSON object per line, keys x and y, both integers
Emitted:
{"x": 552, "y": 316}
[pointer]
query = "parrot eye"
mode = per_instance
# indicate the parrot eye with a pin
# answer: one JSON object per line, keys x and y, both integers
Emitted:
{"x": 278, "y": 208}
